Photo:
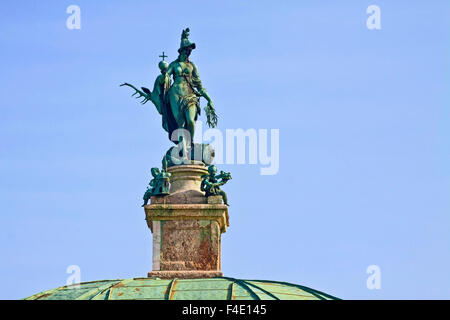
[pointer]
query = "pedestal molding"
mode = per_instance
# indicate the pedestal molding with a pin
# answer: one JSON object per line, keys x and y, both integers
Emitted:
{"x": 217, "y": 212}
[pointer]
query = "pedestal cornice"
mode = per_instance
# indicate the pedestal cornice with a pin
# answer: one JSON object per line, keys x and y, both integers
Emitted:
{"x": 216, "y": 212}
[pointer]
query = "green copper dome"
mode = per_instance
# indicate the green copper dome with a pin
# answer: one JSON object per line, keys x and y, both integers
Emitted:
{"x": 183, "y": 289}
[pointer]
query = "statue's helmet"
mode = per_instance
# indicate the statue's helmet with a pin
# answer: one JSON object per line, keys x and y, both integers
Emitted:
{"x": 163, "y": 65}
{"x": 185, "y": 42}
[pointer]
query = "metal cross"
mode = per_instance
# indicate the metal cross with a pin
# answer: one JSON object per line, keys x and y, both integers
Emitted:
{"x": 163, "y": 56}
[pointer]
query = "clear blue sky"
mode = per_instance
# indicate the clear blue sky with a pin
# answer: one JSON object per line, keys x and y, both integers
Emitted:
{"x": 364, "y": 140}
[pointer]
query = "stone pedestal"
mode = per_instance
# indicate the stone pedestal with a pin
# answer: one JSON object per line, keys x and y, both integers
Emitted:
{"x": 186, "y": 227}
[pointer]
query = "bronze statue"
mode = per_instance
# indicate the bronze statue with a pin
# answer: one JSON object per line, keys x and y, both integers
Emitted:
{"x": 179, "y": 101}
{"x": 211, "y": 184}
{"x": 159, "y": 185}
{"x": 176, "y": 96}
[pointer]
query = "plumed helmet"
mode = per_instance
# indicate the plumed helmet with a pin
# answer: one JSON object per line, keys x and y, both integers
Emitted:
{"x": 185, "y": 42}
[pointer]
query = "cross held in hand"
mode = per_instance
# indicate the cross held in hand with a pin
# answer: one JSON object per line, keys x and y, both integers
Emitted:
{"x": 163, "y": 56}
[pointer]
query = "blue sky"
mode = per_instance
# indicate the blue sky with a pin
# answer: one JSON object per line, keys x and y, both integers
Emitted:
{"x": 364, "y": 140}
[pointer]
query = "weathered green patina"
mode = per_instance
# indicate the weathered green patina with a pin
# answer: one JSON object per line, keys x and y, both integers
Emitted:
{"x": 159, "y": 185}
{"x": 211, "y": 184}
{"x": 178, "y": 102}
{"x": 221, "y": 288}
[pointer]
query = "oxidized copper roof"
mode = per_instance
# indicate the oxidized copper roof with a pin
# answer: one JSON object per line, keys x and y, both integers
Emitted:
{"x": 221, "y": 288}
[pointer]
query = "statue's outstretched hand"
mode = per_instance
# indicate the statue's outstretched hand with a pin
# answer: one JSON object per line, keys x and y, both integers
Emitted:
{"x": 211, "y": 116}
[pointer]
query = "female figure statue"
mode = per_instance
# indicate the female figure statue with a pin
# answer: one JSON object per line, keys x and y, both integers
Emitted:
{"x": 186, "y": 90}
{"x": 179, "y": 102}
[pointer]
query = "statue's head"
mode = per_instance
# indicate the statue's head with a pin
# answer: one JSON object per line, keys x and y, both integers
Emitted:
{"x": 186, "y": 46}
{"x": 185, "y": 51}
{"x": 155, "y": 172}
{"x": 212, "y": 170}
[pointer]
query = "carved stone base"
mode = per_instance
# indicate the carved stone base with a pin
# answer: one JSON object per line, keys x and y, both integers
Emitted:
{"x": 186, "y": 236}
{"x": 184, "y": 274}
{"x": 185, "y": 183}
{"x": 187, "y": 228}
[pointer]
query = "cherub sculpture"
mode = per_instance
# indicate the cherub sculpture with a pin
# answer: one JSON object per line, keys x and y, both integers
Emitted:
{"x": 159, "y": 185}
{"x": 211, "y": 184}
